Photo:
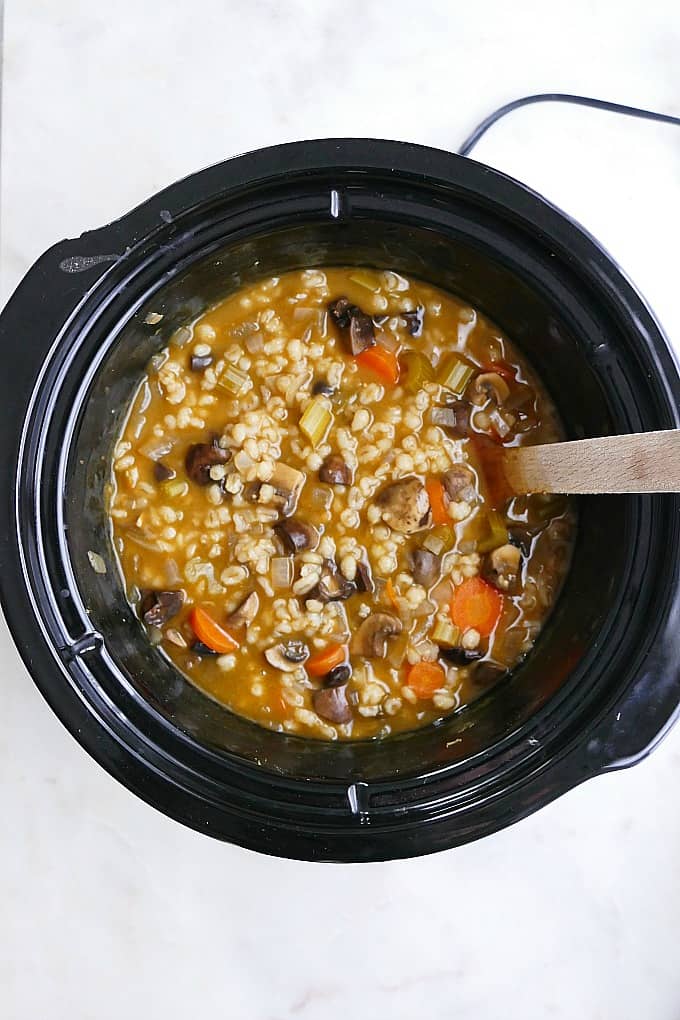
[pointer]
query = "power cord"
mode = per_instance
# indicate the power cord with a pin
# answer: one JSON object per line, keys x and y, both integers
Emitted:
{"x": 560, "y": 97}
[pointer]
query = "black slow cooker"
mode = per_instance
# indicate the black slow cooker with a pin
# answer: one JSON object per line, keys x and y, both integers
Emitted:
{"x": 603, "y": 683}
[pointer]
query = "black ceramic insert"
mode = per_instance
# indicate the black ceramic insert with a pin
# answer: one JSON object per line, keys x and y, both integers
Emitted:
{"x": 603, "y": 682}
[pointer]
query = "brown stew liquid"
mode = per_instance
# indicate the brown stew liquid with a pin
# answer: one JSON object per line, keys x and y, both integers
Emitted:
{"x": 300, "y": 509}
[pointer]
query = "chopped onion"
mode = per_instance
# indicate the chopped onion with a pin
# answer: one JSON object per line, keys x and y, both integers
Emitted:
{"x": 282, "y": 571}
{"x": 158, "y": 360}
{"x": 321, "y": 319}
{"x": 301, "y": 314}
{"x": 244, "y": 329}
{"x": 254, "y": 343}
{"x": 157, "y": 448}
{"x": 144, "y": 398}
{"x": 321, "y": 496}
{"x": 96, "y": 562}
{"x": 391, "y": 343}
{"x": 137, "y": 425}
{"x": 434, "y": 544}
{"x": 172, "y": 572}
{"x": 181, "y": 336}
{"x": 138, "y": 539}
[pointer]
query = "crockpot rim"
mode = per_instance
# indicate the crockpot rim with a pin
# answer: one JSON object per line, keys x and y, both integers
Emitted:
{"x": 332, "y": 151}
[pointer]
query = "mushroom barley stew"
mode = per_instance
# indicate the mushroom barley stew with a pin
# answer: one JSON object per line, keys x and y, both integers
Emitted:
{"x": 301, "y": 513}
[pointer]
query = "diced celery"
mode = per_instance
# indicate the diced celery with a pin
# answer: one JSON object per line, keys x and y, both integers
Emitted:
{"x": 445, "y": 634}
{"x": 454, "y": 374}
{"x": 233, "y": 380}
{"x": 493, "y": 534}
{"x": 316, "y": 420}
{"x": 417, "y": 370}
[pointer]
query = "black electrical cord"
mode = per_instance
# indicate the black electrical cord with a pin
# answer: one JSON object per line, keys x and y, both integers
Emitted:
{"x": 560, "y": 97}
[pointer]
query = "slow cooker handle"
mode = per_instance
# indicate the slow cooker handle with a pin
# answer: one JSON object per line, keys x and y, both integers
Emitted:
{"x": 640, "y": 719}
{"x": 34, "y": 317}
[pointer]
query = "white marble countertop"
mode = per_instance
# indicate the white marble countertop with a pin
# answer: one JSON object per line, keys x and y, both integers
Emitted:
{"x": 110, "y": 909}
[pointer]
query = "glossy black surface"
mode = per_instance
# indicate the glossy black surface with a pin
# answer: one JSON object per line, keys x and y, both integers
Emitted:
{"x": 603, "y": 682}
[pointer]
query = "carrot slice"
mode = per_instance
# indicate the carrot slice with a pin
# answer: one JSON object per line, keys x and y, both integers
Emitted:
{"x": 391, "y": 593}
{"x": 435, "y": 491}
{"x": 476, "y": 605}
{"x": 381, "y": 362}
{"x": 326, "y": 660}
{"x": 210, "y": 633}
{"x": 425, "y": 678}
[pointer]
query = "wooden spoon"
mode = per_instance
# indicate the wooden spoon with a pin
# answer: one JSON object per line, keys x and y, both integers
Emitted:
{"x": 643, "y": 462}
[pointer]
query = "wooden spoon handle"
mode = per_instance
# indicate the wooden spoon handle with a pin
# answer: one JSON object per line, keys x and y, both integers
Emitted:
{"x": 644, "y": 462}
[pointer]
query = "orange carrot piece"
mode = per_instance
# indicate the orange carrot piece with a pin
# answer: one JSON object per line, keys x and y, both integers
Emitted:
{"x": 476, "y": 605}
{"x": 326, "y": 660}
{"x": 381, "y": 362}
{"x": 210, "y": 633}
{"x": 424, "y": 678}
{"x": 435, "y": 491}
{"x": 391, "y": 593}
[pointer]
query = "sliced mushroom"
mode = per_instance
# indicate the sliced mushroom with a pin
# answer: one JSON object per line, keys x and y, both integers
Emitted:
{"x": 331, "y": 704}
{"x": 246, "y": 612}
{"x": 361, "y": 333}
{"x": 338, "y": 675}
{"x": 199, "y": 362}
{"x": 251, "y": 491}
{"x": 201, "y": 457}
{"x": 157, "y": 607}
{"x": 455, "y": 418}
{"x": 332, "y": 586}
{"x": 334, "y": 471}
{"x": 459, "y": 484}
{"x": 287, "y": 482}
{"x": 414, "y": 320}
{"x": 297, "y": 535}
{"x": 405, "y": 505}
{"x": 370, "y": 640}
{"x": 503, "y": 565}
{"x": 425, "y": 567}
{"x": 459, "y": 656}
{"x": 161, "y": 472}
{"x": 363, "y": 579}
{"x": 322, "y": 388}
{"x": 175, "y": 638}
{"x": 287, "y": 656}
{"x": 489, "y": 386}
{"x": 340, "y": 312}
